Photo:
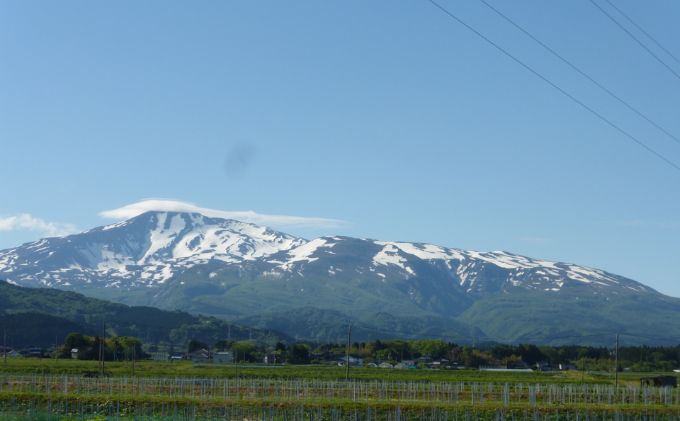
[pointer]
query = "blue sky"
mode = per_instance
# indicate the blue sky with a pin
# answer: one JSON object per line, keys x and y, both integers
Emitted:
{"x": 385, "y": 115}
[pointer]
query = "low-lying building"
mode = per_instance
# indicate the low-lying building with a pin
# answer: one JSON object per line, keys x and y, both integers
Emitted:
{"x": 353, "y": 362}
{"x": 223, "y": 357}
{"x": 200, "y": 356}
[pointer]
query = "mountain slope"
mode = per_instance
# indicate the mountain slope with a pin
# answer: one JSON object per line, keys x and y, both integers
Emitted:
{"x": 578, "y": 315}
{"x": 145, "y": 250}
{"x": 240, "y": 271}
{"x": 329, "y": 326}
{"x": 34, "y": 316}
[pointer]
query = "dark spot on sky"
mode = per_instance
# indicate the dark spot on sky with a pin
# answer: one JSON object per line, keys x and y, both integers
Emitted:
{"x": 239, "y": 160}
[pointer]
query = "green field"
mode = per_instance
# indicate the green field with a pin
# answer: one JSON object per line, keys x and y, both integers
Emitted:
{"x": 325, "y": 372}
{"x": 70, "y": 389}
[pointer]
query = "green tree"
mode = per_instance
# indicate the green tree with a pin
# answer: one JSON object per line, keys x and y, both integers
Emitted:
{"x": 131, "y": 347}
{"x": 530, "y": 354}
{"x": 298, "y": 354}
{"x": 475, "y": 358}
{"x": 244, "y": 351}
{"x": 433, "y": 348}
{"x": 76, "y": 341}
{"x": 223, "y": 345}
{"x": 195, "y": 345}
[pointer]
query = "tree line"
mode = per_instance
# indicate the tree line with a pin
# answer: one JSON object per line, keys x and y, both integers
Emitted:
{"x": 116, "y": 348}
{"x": 636, "y": 358}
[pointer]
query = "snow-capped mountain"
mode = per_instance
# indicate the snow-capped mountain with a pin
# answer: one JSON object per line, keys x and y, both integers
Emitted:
{"x": 475, "y": 272}
{"x": 146, "y": 250}
{"x": 237, "y": 270}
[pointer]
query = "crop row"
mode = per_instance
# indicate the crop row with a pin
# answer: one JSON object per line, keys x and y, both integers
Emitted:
{"x": 284, "y": 390}
{"x": 20, "y": 407}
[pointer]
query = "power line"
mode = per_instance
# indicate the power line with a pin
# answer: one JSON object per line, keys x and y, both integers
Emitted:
{"x": 555, "y": 86}
{"x": 630, "y": 34}
{"x": 581, "y": 72}
{"x": 629, "y": 19}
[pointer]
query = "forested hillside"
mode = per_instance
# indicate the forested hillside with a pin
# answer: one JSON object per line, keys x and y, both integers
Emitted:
{"x": 43, "y": 317}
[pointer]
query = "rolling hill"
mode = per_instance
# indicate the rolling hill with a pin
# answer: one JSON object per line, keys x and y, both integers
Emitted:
{"x": 44, "y": 316}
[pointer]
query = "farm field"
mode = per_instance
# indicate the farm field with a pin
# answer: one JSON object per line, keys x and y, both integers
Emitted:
{"x": 328, "y": 372}
{"x": 65, "y": 389}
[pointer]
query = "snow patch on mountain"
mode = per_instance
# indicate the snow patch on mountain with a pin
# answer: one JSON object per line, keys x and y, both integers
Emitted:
{"x": 112, "y": 261}
{"x": 426, "y": 251}
{"x": 111, "y": 226}
{"x": 305, "y": 252}
{"x": 466, "y": 267}
{"x": 153, "y": 248}
{"x": 163, "y": 235}
{"x": 146, "y": 250}
{"x": 389, "y": 255}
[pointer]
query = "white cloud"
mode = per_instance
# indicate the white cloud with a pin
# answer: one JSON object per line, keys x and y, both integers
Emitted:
{"x": 28, "y": 222}
{"x": 163, "y": 205}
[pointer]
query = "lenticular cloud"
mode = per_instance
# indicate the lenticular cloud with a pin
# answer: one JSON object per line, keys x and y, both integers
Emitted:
{"x": 163, "y": 205}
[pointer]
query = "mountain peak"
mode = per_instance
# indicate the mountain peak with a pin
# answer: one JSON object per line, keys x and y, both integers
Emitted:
{"x": 147, "y": 249}
{"x": 231, "y": 268}
{"x": 190, "y": 218}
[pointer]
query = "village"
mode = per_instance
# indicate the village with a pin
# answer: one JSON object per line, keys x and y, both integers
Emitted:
{"x": 388, "y": 355}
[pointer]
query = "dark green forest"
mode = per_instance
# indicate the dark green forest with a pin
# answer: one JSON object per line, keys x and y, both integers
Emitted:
{"x": 43, "y": 317}
{"x": 62, "y": 320}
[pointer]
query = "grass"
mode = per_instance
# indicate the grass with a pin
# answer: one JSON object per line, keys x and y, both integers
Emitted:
{"x": 130, "y": 403}
{"x": 320, "y": 372}
{"x": 155, "y": 401}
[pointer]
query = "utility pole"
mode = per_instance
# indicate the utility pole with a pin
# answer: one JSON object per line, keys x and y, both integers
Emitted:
{"x": 616, "y": 364}
{"x": 583, "y": 369}
{"x": 237, "y": 377}
{"x": 4, "y": 345}
{"x": 101, "y": 358}
{"x": 101, "y": 348}
{"x": 349, "y": 339}
{"x": 474, "y": 337}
